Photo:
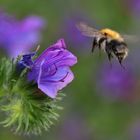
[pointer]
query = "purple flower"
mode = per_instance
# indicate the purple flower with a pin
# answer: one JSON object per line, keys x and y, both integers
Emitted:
{"x": 18, "y": 37}
{"x": 73, "y": 35}
{"x": 135, "y": 6}
{"x": 26, "y": 61}
{"x": 51, "y": 69}
{"x": 115, "y": 82}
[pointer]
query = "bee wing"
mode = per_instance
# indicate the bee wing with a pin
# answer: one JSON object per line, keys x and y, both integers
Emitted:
{"x": 131, "y": 38}
{"x": 87, "y": 30}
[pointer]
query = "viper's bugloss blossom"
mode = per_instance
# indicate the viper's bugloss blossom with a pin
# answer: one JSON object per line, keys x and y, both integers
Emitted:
{"x": 134, "y": 6}
{"x": 73, "y": 35}
{"x": 51, "y": 69}
{"x": 115, "y": 82}
{"x": 19, "y": 36}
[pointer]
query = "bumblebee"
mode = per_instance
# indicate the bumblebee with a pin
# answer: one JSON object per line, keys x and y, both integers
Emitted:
{"x": 109, "y": 40}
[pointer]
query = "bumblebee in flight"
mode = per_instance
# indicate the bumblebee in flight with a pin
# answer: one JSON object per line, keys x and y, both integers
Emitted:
{"x": 110, "y": 41}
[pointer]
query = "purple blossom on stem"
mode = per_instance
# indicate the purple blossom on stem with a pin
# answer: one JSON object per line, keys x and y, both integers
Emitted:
{"x": 18, "y": 37}
{"x": 51, "y": 69}
{"x": 73, "y": 35}
{"x": 134, "y": 6}
{"x": 115, "y": 82}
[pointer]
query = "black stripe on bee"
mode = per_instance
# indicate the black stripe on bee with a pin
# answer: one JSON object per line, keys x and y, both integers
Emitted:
{"x": 97, "y": 43}
{"x": 118, "y": 48}
{"x": 108, "y": 49}
{"x": 101, "y": 41}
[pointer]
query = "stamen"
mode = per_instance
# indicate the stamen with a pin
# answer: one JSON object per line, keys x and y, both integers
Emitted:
{"x": 38, "y": 47}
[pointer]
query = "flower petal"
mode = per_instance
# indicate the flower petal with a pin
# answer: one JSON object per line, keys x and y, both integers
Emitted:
{"x": 57, "y": 54}
{"x": 19, "y": 36}
{"x": 50, "y": 85}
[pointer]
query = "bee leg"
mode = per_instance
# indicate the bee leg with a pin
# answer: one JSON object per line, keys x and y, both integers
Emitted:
{"x": 109, "y": 52}
{"x": 121, "y": 65}
{"x": 94, "y": 44}
{"x": 100, "y": 43}
{"x": 120, "y": 61}
{"x": 109, "y": 58}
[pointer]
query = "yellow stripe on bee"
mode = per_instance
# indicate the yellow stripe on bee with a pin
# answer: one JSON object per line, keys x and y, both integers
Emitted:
{"x": 112, "y": 34}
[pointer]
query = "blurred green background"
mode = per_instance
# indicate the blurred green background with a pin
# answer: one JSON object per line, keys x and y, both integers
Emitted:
{"x": 90, "y": 113}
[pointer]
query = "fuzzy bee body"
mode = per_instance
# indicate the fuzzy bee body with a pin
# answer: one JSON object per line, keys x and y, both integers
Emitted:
{"x": 108, "y": 40}
{"x": 112, "y": 47}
